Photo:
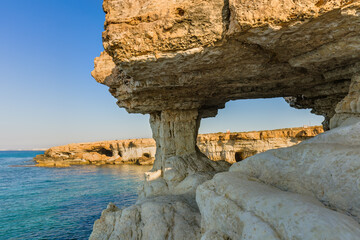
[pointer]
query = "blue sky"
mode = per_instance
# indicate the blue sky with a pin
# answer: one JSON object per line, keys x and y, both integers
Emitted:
{"x": 48, "y": 97}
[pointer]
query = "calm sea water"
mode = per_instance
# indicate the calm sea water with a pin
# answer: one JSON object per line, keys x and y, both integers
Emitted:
{"x": 59, "y": 203}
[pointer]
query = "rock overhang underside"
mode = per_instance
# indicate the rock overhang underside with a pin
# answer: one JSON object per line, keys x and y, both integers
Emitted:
{"x": 199, "y": 54}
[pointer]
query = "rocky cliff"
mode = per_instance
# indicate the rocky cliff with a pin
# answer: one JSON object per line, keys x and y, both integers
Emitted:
{"x": 199, "y": 54}
{"x": 235, "y": 147}
{"x": 231, "y": 147}
{"x": 133, "y": 151}
{"x": 182, "y": 60}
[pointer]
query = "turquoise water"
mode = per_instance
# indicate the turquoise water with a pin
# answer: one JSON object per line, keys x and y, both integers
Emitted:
{"x": 59, "y": 203}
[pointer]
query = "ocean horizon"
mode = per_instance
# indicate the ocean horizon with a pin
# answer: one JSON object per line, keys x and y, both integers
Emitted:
{"x": 59, "y": 203}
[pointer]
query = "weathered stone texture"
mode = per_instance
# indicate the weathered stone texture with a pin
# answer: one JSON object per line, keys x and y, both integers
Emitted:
{"x": 326, "y": 167}
{"x": 348, "y": 110}
{"x": 195, "y": 54}
{"x": 234, "y": 147}
{"x": 132, "y": 151}
{"x": 159, "y": 218}
{"x": 230, "y": 147}
{"x": 175, "y": 133}
{"x": 182, "y": 60}
{"x": 242, "y": 207}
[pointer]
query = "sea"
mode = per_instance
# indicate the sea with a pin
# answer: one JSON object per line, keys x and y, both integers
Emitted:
{"x": 59, "y": 203}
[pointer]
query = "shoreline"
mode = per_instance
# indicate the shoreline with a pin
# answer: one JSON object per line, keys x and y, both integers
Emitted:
{"x": 230, "y": 146}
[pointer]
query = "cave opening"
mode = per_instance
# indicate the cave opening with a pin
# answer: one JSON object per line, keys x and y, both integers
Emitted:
{"x": 239, "y": 156}
{"x": 258, "y": 114}
{"x": 131, "y": 145}
{"x": 242, "y": 116}
{"x": 147, "y": 155}
{"x": 106, "y": 152}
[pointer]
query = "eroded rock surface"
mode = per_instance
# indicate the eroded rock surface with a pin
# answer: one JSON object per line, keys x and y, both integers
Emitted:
{"x": 197, "y": 54}
{"x": 182, "y": 60}
{"x": 132, "y": 151}
{"x": 230, "y": 147}
{"x": 348, "y": 110}
{"x": 171, "y": 217}
{"x": 308, "y": 191}
{"x": 242, "y": 207}
{"x": 326, "y": 167}
{"x": 235, "y": 147}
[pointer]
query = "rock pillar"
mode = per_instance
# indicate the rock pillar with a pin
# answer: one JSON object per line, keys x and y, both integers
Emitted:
{"x": 179, "y": 165}
{"x": 175, "y": 133}
{"x": 348, "y": 109}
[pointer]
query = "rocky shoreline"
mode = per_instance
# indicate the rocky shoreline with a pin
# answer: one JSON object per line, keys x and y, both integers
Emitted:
{"x": 231, "y": 147}
{"x": 182, "y": 61}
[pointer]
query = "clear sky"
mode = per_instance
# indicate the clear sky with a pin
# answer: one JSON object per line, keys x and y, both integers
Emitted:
{"x": 48, "y": 97}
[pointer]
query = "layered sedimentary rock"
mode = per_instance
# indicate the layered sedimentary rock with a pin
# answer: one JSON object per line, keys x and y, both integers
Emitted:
{"x": 235, "y": 147}
{"x": 231, "y": 147}
{"x": 197, "y": 54}
{"x": 132, "y": 151}
{"x": 182, "y": 60}
{"x": 347, "y": 111}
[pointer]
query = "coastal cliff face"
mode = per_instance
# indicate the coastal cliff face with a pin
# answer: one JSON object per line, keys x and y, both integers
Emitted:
{"x": 235, "y": 147}
{"x": 180, "y": 61}
{"x": 133, "y": 151}
{"x": 231, "y": 147}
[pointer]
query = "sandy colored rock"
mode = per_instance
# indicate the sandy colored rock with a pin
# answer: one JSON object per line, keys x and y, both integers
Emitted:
{"x": 348, "y": 110}
{"x": 131, "y": 151}
{"x": 180, "y": 61}
{"x": 237, "y": 146}
{"x": 230, "y": 147}
{"x": 196, "y": 54}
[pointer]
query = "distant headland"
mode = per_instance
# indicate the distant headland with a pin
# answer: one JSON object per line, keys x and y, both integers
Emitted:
{"x": 231, "y": 147}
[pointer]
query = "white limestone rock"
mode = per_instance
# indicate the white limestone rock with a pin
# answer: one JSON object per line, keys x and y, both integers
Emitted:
{"x": 235, "y": 206}
{"x": 170, "y": 217}
{"x": 326, "y": 167}
{"x": 181, "y": 175}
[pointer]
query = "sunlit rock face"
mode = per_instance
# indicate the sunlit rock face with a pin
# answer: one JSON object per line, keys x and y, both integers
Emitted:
{"x": 348, "y": 110}
{"x": 131, "y": 151}
{"x": 197, "y": 54}
{"x": 308, "y": 191}
{"x": 182, "y": 60}
{"x": 231, "y": 147}
{"x": 237, "y": 206}
{"x": 237, "y": 146}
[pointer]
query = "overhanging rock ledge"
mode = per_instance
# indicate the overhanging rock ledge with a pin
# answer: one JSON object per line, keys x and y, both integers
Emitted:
{"x": 182, "y": 60}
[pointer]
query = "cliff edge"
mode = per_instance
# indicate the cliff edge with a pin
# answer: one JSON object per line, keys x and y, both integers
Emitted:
{"x": 231, "y": 147}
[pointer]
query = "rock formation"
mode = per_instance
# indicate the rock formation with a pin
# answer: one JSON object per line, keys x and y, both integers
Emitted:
{"x": 235, "y": 147}
{"x": 132, "y": 151}
{"x": 308, "y": 191}
{"x": 231, "y": 147}
{"x": 197, "y": 54}
{"x": 182, "y": 60}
